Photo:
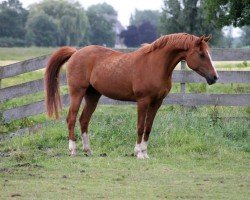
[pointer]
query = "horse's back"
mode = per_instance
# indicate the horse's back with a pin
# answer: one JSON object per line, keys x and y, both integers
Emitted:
{"x": 107, "y": 70}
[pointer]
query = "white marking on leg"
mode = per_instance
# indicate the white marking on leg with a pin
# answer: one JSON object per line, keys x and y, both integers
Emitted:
{"x": 141, "y": 150}
{"x": 140, "y": 155}
{"x": 144, "y": 146}
{"x": 85, "y": 144}
{"x": 72, "y": 147}
{"x": 137, "y": 148}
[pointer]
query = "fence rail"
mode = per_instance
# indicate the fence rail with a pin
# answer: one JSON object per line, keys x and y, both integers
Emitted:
{"x": 182, "y": 76}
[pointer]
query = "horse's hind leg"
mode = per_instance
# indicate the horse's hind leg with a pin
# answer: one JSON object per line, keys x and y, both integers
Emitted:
{"x": 76, "y": 96}
{"x": 91, "y": 100}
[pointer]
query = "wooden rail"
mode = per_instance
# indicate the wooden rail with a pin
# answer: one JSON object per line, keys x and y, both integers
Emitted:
{"x": 182, "y": 76}
{"x": 172, "y": 99}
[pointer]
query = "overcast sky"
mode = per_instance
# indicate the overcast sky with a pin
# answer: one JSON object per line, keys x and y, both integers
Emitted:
{"x": 123, "y": 7}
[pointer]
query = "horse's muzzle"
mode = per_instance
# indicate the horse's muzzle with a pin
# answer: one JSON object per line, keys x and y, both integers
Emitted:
{"x": 211, "y": 80}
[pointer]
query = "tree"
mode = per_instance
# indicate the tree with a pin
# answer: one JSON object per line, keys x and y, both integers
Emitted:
{"x": 68, "y": 17}
{"x": 147, "y": 32}
{"x": 188, "y": 16}
{"x": 134, "y": 36}
{"x": 102, "y": 18}
{"x": 12, "y": 19}
{"x": 131, "y": 36}
{"x": 227, "y": 12}
{"x": 42, "y": 30}
{"x": 141, "y": 16}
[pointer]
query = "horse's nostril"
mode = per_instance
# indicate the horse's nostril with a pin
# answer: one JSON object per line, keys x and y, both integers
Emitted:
{"x": 215, "y": 78}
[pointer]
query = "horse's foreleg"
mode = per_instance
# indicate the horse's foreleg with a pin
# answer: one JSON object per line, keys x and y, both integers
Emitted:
{"x": 91, "y": 100}
{"x": 142, "y": 107}
{"x": 75, "y": 102}
{"x": 152, "y": 110}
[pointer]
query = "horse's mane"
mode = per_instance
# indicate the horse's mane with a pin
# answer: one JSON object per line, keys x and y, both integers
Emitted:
{"x": 179, "y": 40}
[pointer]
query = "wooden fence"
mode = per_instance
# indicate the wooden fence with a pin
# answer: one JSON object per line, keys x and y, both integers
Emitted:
{"x": 182, "y": 76}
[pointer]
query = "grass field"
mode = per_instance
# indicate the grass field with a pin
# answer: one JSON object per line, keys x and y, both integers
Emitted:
{"x": 195, "y": 154}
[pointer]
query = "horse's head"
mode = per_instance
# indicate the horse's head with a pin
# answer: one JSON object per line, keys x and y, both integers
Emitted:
{"x": 199, "y": 60}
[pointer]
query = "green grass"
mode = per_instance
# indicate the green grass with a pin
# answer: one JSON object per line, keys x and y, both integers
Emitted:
{"x": 195, "y": 154}
{"x": 20, "y": 54}
{"x": 232, "y": 65}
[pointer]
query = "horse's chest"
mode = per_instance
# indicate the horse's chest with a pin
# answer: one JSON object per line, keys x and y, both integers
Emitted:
{"x": 162, "y": 90}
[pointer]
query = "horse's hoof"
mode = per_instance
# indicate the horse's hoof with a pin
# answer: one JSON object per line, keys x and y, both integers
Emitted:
{"x": 146, "y": 155}
{"x": 140, "y": 155}
{"x": 88, "y": 152}
{"x": 72, "y": 153}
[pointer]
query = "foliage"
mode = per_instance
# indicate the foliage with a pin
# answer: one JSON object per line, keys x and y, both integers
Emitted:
{"x": 141, "y": 16}
{"x": 144, "y": 33}
{"x": 102, "y": 18}
{"x": 188, "y": 17}
{"x": 143, "y": 28}
{"x": 227, "y": 12}
{"x": 12, "y": 19}
{"x": 42, "y": 31}
{"x": 64, "y": 19}
{"x": 11, "y": 42}
{"x": 57, "y": 23}
{"x": 131, "y": 36}
{"x": 148, "y": 32}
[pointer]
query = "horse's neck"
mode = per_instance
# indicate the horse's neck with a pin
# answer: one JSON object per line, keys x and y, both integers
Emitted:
{"x": 171, "y": 58}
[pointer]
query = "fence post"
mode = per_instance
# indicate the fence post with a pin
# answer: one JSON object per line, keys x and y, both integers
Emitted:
{"x": 1, "y": 71}
{"x": 183, "y": 85}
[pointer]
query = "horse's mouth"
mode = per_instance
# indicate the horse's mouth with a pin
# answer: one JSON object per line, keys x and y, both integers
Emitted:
{"x": 210, "y": 81}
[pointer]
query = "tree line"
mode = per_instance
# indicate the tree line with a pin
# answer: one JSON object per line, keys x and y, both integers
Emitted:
{"x": 56, "y": 23}
{"x": 196, "y": 17}
{"x": 64, "y": 22}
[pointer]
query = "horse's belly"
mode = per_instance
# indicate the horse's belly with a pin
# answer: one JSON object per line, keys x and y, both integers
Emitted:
{"x": 113, "y": 86}
{"x": 114, "y": 90}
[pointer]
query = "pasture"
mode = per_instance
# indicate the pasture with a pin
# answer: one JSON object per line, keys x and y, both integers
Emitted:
{"x": 194, "y": 153}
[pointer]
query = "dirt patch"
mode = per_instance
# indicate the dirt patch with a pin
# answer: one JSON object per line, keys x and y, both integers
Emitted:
{"x": 129, "y": 155}
{"x": 6, "y": 170}
{"x": 28, "y": 165}
{"x": 16, "y": 195}
{"x": 64, "y": 176}
{"x": 103, "y": 155}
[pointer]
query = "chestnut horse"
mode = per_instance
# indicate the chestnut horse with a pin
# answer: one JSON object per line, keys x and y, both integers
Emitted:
{"x": 143, "y": 76}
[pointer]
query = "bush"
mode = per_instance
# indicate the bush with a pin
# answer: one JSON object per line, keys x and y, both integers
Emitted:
{"x": 11, "y": 42}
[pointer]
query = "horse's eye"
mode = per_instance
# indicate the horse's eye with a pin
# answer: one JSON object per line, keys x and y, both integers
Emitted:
{"x": 202, "y": 55}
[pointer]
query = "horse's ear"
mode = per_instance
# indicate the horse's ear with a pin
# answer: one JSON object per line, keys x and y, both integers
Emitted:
{"x": 144, "y": 44}
{"x": 198, "y": 41}
{"x": 206, "y": 39}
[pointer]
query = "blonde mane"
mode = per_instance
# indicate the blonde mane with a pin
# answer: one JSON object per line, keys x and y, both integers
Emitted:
{"x": 179, "y": 40}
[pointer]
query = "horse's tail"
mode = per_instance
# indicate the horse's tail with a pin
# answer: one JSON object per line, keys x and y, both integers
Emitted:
{"x": 52, "y": 93}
